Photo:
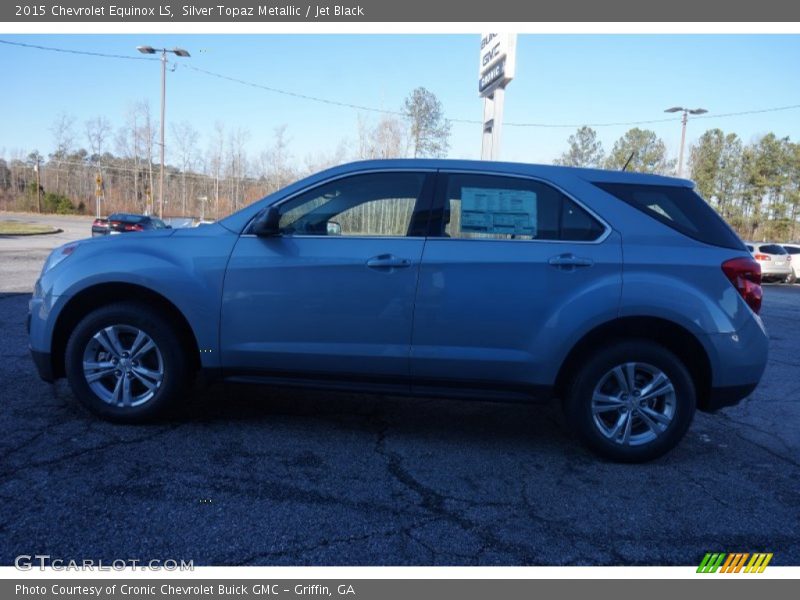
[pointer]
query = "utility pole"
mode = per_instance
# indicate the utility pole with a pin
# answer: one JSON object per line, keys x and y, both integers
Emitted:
{"x": 177, "y": 52}
{"x": 163, "y": 112}
{"x": 38, "y": 184}
{"x": 684, "y": 120}
{"x": 98, "y": 193}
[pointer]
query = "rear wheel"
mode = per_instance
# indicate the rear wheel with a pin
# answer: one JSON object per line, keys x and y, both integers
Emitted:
{"x": 124, "y": 362}
{"x": 631, "y": 402}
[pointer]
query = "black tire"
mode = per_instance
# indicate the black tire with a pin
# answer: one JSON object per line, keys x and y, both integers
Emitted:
{"x": 596, "y": 371}
{"x": 168, "y": 360}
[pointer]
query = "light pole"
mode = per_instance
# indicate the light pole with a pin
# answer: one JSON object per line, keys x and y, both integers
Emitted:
{"x": 177, "y": 52}
{"x": 686, "y": 112}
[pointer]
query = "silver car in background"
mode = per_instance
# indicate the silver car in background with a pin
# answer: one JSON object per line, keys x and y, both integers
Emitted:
{"x": 794, "y": 250}
{"x": 775, "y": 261}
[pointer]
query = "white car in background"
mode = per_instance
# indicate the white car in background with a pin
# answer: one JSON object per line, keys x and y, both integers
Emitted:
{"x": 794, "y": 250}
{"x": 775, "y": 261}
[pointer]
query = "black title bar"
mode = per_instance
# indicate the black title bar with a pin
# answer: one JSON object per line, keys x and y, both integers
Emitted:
{"x": 458, "y": 11}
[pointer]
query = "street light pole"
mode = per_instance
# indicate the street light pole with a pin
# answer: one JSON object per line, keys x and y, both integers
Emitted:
{"x": 684, "y": 120}
{"x": 163, "y": 113}
{"x": 177, "y": 52}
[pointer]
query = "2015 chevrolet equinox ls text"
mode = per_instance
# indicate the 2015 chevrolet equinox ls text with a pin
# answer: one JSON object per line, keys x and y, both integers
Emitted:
{"x": 623, "y": 294}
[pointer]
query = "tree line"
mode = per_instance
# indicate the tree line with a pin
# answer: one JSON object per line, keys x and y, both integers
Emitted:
{"x": 755, "y": 186}
{"x": 211, "y": 181}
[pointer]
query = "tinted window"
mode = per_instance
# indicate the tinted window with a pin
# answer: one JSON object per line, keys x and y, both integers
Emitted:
{"x": 678, "y": 207}
{"x": 507, "y": 208}
{"x": 125, "y": 218}
{"x": 772, "y": 249}
{"x": 379, "y": 204}
{"x": 792, "y": 249}
{"x": 749, "y": 248}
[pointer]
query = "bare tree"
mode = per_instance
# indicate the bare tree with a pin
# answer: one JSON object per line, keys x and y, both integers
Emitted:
{"x": 237, "y": 165}
{"x": 273, "y": 163}
{"x": 215, "y": 154}
{"x": 388, "y": 138}
{"x": 63, "y": 130}
{"x": 185, "y": 140}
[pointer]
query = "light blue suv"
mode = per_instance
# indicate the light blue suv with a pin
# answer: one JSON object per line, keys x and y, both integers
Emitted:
{"x": 622, "y": 294}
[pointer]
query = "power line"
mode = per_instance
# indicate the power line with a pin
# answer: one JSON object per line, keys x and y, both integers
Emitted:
{"x": 67, "y": 51}
{"x": 293, "y": 94}
{"x": 373, "y": 109}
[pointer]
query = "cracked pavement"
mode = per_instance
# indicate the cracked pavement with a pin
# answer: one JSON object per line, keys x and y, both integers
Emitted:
{"x": 246, "y": 475}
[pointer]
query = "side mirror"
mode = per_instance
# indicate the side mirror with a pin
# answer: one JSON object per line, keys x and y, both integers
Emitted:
{"x": 334, "y": 228}
{"x": 268, "y": 224}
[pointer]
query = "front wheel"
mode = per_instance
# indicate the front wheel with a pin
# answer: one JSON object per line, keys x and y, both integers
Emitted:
{"x": 632, "y": 401}
{"x": 124, "y": 363}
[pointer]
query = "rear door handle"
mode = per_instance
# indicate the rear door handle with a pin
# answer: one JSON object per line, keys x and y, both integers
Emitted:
{"x": 388, "y": 261}
{"x": 570, "y": 261}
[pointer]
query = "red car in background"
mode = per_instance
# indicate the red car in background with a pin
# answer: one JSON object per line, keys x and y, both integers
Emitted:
{"x": 124, "y": 223}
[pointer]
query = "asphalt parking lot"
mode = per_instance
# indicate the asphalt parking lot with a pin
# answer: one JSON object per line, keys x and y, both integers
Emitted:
{"x": 258, "y": 476}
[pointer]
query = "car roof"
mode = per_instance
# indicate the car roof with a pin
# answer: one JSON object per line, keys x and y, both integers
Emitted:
{"x": 544, "y": 171}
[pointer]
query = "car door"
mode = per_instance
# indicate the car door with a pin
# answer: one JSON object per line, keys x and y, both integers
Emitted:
{"x": 331, "y": 296}
{"x": 512, "y": 270}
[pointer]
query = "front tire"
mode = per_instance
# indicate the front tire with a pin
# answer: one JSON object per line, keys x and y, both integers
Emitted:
{"x": 124, "y": 362}
{"x": 631, "y": 402}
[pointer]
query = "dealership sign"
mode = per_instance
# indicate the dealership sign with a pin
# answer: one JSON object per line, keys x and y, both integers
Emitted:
{"x": 497, "y": 61}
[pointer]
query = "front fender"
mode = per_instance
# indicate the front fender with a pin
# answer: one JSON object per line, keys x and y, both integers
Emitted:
{"x": 187, "y": 269}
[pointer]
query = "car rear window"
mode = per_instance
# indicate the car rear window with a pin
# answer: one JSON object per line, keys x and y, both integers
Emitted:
{"x": 792, "y": 249}
{"x": 772, "y": 249}
{"x": 127, "y": 218}
{"x": 680, "y": 208}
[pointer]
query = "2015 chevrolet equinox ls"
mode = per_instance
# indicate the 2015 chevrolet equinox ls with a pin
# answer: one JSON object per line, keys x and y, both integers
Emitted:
{"x": 623, "y": 294}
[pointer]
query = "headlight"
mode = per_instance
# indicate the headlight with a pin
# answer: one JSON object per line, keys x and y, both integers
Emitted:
{"x": 57, "y": 255}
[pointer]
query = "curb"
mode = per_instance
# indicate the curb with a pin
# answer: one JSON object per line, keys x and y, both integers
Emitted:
{"x": 9, "y": 235}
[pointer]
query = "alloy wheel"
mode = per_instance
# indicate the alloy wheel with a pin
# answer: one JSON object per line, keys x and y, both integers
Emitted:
{"x": 123, "y": 366}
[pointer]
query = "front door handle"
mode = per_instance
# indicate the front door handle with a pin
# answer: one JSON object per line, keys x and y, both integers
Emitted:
{"x": 388, "y": 261}
{"x": 569, "y": 261}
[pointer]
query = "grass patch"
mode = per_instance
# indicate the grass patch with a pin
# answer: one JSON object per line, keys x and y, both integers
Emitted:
{"x": 18, "y": 228}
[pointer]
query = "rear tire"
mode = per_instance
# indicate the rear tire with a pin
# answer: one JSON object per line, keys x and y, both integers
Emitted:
{"x": 631, "y": 402}
{"x": 124, "y": 362}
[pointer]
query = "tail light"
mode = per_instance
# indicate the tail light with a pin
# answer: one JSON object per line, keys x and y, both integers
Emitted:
{"x": 135, "y": 227}
{"x": 98, "y": 222}
{"x": 745, "y": 275}
{"x": 763, "y": 257}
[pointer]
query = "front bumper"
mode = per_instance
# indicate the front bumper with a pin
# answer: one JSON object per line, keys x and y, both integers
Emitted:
{"x": 720, "y": 397}
{"x": 44, "y": 365}
{"x": 38, "y": 334}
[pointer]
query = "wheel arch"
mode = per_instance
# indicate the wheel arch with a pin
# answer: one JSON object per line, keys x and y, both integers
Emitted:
{"x": 103, "y": 294}
{"x": 676, "y": 338}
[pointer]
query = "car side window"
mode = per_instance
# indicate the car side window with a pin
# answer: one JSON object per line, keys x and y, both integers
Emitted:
{"x": 374, "y": 204}
{"x": 509, "y": 208}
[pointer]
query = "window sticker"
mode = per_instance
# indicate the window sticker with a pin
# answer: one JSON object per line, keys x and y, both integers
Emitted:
{"x": 503, "y": 211}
